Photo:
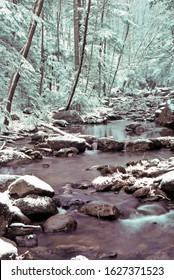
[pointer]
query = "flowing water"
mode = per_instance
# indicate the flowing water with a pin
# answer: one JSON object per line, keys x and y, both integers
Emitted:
{"x": 144, "y": 231}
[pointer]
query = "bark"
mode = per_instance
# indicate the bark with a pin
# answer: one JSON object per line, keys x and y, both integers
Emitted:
{"x": 42, "y": 58}
{"x": 16, "y": 76}
{"x": 76, "y": 34}
{"x": 119, "y": 59}
{"x": 82, "y": 57}
{"x": 58, "y": 27}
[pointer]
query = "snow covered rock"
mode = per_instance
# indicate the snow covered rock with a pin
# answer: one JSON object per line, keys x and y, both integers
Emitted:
{"x": 60, "y": 222}
{"x": 109, "y": 144}
{"x": 166, "y": 182}
{"x": 6, "y": 180}
{"x": 166, "y": 116}
{"x": 10, "y": 157}
{"x": 105, "y": 211}
{"x": 61, "y": 142}
{"x": 8, "y": 249}
{"x": 29, "y": 184}
{"x": 36, "y": 207}
{"x": 66, "y": 152}
{"x": 71, "y": 116}
{"x": 139, "y": 145}
{"x": 18, "y": 229}
{"x": 107, "y": 183}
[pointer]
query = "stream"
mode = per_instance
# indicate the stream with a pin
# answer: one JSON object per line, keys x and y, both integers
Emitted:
{"x": 146, "y": 231}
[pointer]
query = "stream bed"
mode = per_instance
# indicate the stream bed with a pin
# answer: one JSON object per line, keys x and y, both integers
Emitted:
{"x": 144, "y": 232}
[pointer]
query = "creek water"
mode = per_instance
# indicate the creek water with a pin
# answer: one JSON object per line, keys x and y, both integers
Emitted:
{"x": 145, "y": 231}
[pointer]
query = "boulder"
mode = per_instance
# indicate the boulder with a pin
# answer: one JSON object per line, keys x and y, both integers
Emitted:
{"x": 70, "y": 116}
{"x": 6, "y": 180}
{"x": 109, "y": 144}
{"x": 139, "y": 145}
{"x": 166, "y": 182}
{"x": 29, "y": 184}
{"x": 60, "y": 222}
{"x": 9, "y": 156}
{"x": 5, "y": 217}
{"x": 36, "y": 207}
{"x": 19, "y": 229}
{"x": 61, "y": 142}
{"x": 166, "y": 116}
{"x": 141, "y": 192}
{"x": 8, "y": 249}
{"x": 108, "y": 183}
{"x": 104, "y": 211}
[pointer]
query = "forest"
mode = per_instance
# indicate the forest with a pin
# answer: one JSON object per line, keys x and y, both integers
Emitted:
{"x": 86, "y": 129}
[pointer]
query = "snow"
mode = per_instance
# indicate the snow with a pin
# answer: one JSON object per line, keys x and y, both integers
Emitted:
{"x": 36, "y": 182}
{"x": 7, "y": 248}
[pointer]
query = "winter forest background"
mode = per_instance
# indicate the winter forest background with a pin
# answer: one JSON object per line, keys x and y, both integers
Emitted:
{"x": 80, "y": 51}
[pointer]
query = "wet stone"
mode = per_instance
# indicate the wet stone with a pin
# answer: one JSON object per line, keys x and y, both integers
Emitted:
{"x": 27, "y": 240}
{"x": 104, "y": 211}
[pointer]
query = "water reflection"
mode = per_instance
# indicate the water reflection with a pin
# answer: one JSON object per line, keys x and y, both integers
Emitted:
{"x": 116, "y": 129}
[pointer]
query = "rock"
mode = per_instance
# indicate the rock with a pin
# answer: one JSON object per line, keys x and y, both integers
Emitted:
{"x": 11, "y": 157}
{"x": 18, "y": 216}
{"x": 6, "y": 180}
{"x": 141, "y": 193}
{"x": 139, "y": 145}
{"x": 66, "y": 202}
{"x": 8, "y": 249}
{"x": 89, "y": 138}
{"x": 60, "y": 222}
{"x": 109, "y": 169}
{"x": 39, "y": 136}
{"x": 108, "y": 183}
{"x": 166, "y": 117}
{"x": 36, "y": 207}
{"x": 66, "y": 152}
{"x": 103, "y": 183}
{"x": 60, "y": 123}
{"x": 109, "y": 144}
{"x": 35, "y": 155}
{"x": 15, "y": 117}
{"x": 5, "y": 217}
{"x": 104, "y": 211}
{"x": 61, "y": 142}
{"x": 25, "y": 256}
{"x": 71, "y": 116}
{"x": 135, "y": 127}
{"x": 21, "y": 229}
{"x": 27, "y": 240}
{"x": 166, "y": 182}
{"x": 73, "y": 248}
{"x": 29, "y": 184}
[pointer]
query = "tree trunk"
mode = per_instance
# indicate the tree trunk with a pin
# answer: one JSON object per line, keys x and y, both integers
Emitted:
{"x": 82, "y": 56}
{"x": 25, "y": 52}
{"x": 119, "y": 59}
{"x": 76, "y": 34}
{"x": 42, "y": 57}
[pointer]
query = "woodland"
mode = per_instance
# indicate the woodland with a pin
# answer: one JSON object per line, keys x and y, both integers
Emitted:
{"x": 70, "y": 54}
{"x": 87, "y": 129}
